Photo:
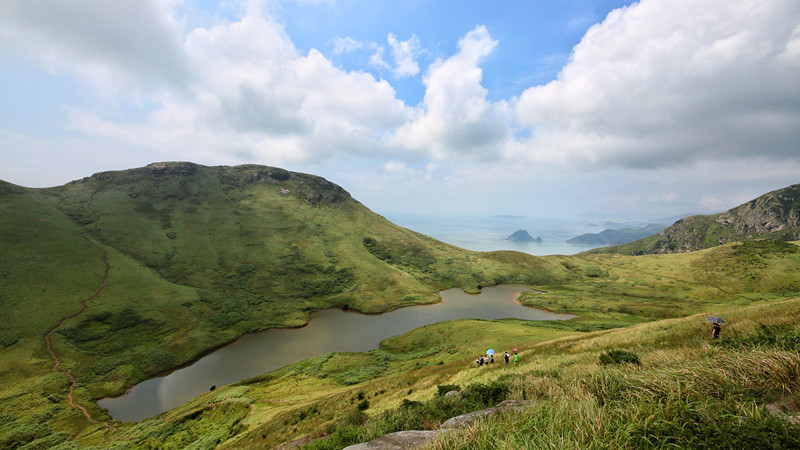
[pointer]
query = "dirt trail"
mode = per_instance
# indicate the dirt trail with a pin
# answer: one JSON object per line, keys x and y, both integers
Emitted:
{"x": 56, "y": 361}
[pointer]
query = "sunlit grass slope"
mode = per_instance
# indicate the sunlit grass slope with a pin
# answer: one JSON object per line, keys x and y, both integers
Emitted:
{"x": 684, "y": 381}
{"x": 687, "y": 391}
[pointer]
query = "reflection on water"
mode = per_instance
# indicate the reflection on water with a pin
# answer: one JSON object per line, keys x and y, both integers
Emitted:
{"x": 331, "y": 330}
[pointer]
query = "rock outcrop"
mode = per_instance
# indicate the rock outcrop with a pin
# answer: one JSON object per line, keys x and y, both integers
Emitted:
{"x": 403, "y": 440}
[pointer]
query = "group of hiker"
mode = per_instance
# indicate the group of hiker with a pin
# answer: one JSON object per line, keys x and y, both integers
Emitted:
{"x": 489, "y": 359}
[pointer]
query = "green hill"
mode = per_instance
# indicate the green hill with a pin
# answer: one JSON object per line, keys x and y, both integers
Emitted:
{"x": 775, "y": 215}
{"x": 131, "y": 273}
{"x": 189, "y": 258}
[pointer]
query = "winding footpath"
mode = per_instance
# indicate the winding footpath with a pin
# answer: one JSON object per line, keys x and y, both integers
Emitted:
{"x": 56, "y": 361}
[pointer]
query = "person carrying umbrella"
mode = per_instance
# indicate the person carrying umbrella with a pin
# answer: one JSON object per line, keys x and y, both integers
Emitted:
{"x": 715, "y": 329}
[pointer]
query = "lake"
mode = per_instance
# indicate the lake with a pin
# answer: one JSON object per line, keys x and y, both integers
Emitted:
{"x": 331, "y": 330}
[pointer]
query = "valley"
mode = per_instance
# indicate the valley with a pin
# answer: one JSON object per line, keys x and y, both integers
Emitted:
{"x": 123, "y": 276}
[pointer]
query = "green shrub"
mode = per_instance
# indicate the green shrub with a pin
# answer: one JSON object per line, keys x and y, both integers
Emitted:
{"x": 48, "y": 442}
{"x": 709, "y": 426}
{"x": 158, "y": 360}
{"x": 595, "y": 272}
{"x": 779, "y": 338}
{"x": 7, "y": 340}
{"x": 360, "y": 374}
{"x": 486, "y": 394}
{"x": 619, "y": 357}
{"x": 24, "y": 434}
{"x": 445, "y": 388}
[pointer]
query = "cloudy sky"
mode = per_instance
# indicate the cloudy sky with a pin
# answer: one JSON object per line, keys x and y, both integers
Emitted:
{"x": 586, "y": 108}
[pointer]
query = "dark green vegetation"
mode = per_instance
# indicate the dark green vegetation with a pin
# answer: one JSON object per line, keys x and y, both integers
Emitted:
{"x": 196, "y": 256}
{"x": 775, "y": 215}
{"x": 612, "y": 236}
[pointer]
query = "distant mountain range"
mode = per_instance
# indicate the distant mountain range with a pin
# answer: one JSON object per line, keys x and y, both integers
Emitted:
{"x": 638, "y": 224}
{"x": 612, "y": 236}
{"x": 775, "y": 215}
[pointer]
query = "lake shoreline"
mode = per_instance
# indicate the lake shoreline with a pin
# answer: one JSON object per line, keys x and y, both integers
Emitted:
{"x": 166, "y": 391}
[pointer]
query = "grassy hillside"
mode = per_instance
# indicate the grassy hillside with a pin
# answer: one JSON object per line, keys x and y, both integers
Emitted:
{"x": 186, "y": 258}
{"x": 174, "y": 259}
{"x": 686, "y": 390}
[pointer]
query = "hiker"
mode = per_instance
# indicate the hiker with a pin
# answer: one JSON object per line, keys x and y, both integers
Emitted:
{"x": 492, "y": 360}
{"x": 516, "y": 357}
{"x": 715, "y": 331}
{"x": 478, "y": 362}
{"x": 481, "y": 360}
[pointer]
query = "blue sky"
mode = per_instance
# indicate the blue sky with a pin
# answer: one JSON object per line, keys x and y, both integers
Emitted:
{"x": 592, "y": 109}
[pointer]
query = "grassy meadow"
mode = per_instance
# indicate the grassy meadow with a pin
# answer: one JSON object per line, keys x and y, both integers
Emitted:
{"x": 197, "y": 256}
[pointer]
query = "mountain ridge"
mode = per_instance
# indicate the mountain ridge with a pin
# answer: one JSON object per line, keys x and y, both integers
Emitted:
{"x": 774, "y": 215}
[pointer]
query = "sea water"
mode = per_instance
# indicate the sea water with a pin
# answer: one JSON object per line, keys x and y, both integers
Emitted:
{"x": 491, "y": 233}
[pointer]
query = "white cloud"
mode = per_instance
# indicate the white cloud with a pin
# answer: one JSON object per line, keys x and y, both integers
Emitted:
{"x": 113, "y": 46}
{"x": 455, "y": 118}
{"x": 402, "y": 58}
{"x": 395, "y": 166}
{"x": 251, "y": 96}
{"x": 669, "y": 82}
{"x": 669, "y": 198}
{"x": 346, "y": 45}
{"x": 404, "y": 54}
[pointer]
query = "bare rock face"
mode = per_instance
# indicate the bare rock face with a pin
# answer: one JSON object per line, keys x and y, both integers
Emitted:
{"x": 397, "y": 441}
{"x": 416, "y": 439}
{"x": 771, "y": 213}
{"x": 168, "y": 168}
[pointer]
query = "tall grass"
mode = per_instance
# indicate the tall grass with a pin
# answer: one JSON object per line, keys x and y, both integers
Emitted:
{"x": 698, "y": 395}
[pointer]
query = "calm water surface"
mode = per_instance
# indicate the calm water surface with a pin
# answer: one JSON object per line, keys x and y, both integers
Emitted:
{"x": 331, "y": 330}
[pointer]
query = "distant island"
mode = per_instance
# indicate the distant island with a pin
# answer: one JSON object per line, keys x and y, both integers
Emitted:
{"x": 616, "y": 237}
{"x": 508, "y": 216}
{"x": 523, "y": 236}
